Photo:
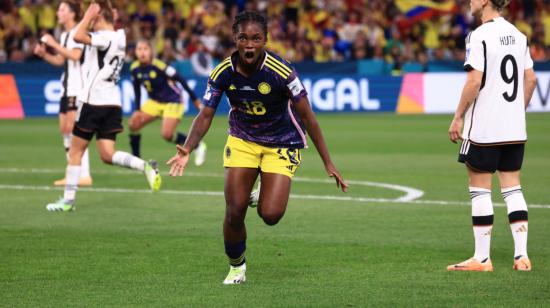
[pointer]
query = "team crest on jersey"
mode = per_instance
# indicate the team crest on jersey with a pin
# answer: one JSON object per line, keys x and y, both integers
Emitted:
{"x": 232, "y": 87}
{"x": 153, "y": 74}
{"x": 264, "y": 88}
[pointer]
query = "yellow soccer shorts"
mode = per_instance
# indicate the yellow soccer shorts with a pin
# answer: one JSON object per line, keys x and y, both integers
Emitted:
{"x": 240, "y": 153}
{"x": 163, "y": 110}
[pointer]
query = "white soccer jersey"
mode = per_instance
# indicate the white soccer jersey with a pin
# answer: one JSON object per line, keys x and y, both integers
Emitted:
{"x": 72, "y": 78}
{"x": 102, "y": 66}
{"x": 500, "y": 51}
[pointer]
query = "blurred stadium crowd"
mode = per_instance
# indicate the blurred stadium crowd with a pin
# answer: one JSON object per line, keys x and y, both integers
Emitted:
{"x": 310, "y": 30}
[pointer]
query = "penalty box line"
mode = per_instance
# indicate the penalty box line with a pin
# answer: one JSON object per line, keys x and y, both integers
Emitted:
{"x": 220, "y": 194}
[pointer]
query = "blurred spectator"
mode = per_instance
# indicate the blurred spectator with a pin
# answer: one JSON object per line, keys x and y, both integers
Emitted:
{"x": 47, "y": 13}
{"x": 305, "y": 30}
{"x": 202, "y": 61}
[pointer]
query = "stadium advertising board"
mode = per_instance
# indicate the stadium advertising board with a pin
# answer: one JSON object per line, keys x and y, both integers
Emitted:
{"x": 440, "y": 93}
{"x": 39, "y": 96}
{"x": 31, "y": 95}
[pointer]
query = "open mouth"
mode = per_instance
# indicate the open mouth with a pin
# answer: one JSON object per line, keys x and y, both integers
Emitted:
{"x": 249, "y": 54}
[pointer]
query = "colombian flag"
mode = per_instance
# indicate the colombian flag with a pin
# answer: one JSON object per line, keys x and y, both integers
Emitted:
{"x": 422, "y": 9}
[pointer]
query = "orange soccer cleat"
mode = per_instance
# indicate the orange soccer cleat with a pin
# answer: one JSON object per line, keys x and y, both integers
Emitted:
{"x": 522, "y": 264}
{"x": 83, "y": 181}
{"x": 472, "y": 265}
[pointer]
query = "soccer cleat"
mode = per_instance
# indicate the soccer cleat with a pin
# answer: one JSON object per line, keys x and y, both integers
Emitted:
{"x": 237, "y": 275}
{"x": 83, "y": 181}
{"x": 255, "y": 197}
{"x": 522, "y": 264}
{"x": 152, "y": 174}
{"x": 60, "y": 206}
{"x": 472, "y": 265}
{"x": 200, "y": 154}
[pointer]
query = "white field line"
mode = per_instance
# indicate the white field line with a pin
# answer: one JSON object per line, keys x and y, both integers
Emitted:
{"x": 411, "y": 194}
{"x": 219, "y": 194}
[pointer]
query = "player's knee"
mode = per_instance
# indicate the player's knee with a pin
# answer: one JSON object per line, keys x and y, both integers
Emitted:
{"x": 106, "y": 158}
{"x": 235, "y": 217}
{"x": 167, "y": 135}
{"x": 133, "y": 124}
{"x": 75, "y": 157}
{"x": 67, "y": 129}
{"x": 271, "y": 218}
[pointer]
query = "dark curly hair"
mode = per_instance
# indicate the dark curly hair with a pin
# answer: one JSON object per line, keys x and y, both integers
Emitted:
{"x": 249, "y": 16}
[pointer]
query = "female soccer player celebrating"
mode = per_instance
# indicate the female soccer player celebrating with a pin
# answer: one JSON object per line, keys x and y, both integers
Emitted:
{"x": 69, "y": 54}
{"x": 269, "y": 108}
{"x": 164, "y": 99}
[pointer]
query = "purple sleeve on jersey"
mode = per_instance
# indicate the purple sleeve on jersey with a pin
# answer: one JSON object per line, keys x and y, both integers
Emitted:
{"x": 212, "y": 95}
{"x": 296, "y": 89}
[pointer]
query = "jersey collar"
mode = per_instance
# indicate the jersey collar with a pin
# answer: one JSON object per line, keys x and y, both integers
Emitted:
{"x": 235, "y": 56}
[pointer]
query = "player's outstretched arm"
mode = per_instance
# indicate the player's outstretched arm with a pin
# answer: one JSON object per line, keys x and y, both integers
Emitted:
{"x": 81, "y": 35}
{"x": 71, "y": 54}
{"x": 40, "y": 50}
{"x": 529, "y": 85}
{"x": 178, "y": 78}
{"x": 198, "y": 129}
{"x": 314, "y": 130}
{"x": 469, "y": 94}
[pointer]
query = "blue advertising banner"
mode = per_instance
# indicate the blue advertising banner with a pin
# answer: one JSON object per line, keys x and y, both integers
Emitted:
{"x": 40, "y": 94}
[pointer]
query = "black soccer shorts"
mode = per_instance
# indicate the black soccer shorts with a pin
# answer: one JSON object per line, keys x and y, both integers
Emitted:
{"x": 490, "y": 158}
{"x": 67, "y": 103}
{"x": 103, "y": 121}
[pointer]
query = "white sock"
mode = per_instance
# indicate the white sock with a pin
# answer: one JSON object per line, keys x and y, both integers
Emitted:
{"x": 482, "y": 219}
{"x": 71, "y": 183}
{"x": 128, "y": 160}
{"x": 85, "y": 164}
{"x": 517, "y": 215}
{"x": 67, "y": 144}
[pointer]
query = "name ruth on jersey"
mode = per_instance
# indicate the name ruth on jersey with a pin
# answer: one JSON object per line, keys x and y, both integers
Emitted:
{"x": 507, "y": 40}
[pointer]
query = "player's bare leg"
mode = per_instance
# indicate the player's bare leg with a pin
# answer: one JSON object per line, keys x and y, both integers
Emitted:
{"x": 77, "y": 148}
{"x": 66, "y": 124}
{"x": 238, "y": 185}
{"x": 109, "y": 155}
{"x": 168, "y": 128}
{"x": 517, "y": 216}
{"x": 273, "y": 199}
{"x": 482, "y": 219}
{"x": 137, "y": 121}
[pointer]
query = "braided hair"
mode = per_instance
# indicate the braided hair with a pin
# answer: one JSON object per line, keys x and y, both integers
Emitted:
{"x": 249, "y": 16}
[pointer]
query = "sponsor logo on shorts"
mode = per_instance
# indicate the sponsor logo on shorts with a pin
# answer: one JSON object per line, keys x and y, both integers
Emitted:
{"x": 227, "y": 152}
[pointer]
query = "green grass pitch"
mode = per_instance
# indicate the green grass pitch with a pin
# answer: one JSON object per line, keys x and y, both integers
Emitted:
{"x": 125, "y": 246}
